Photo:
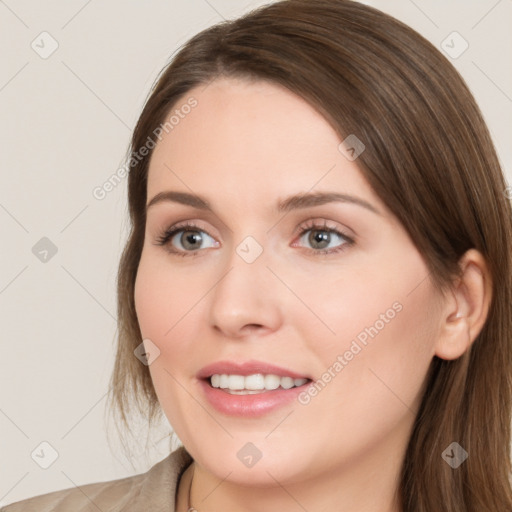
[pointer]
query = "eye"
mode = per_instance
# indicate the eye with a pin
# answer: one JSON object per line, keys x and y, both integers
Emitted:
{"x": 185, "y": 238}
{"x": 324, "y": 239}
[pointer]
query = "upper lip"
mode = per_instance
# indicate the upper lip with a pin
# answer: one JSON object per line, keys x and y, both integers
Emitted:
{"x": 246, "y": 368}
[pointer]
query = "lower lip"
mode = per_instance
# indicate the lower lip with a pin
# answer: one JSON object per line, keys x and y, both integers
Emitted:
{"x": 250, "y": 406}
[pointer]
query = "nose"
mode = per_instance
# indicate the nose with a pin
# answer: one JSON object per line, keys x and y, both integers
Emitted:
{"x": 246, "y": 299}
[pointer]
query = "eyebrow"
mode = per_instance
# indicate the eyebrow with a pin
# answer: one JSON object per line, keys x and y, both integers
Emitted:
{"x": 294, "y": 202}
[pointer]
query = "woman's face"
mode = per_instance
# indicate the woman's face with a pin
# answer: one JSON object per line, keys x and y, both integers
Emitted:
{"x": 330, "y": 290}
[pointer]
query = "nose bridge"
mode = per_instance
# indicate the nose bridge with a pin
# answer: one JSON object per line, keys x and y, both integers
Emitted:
{"x": 246, "y": 294}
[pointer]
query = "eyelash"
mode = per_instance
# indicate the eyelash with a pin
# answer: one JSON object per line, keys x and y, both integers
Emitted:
{"x": 169, "y": 233}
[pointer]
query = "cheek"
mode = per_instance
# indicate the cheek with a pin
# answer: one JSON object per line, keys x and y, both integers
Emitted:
{"x": 167, "y": 303}
{"x": 385, "y": 328}
{"x": 166, "y": 309}
{"x": 151, "y": 296}
{"x": 160, "y": 296}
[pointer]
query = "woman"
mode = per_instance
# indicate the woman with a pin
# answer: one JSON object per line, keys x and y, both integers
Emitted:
{"x": 317, "y": 284}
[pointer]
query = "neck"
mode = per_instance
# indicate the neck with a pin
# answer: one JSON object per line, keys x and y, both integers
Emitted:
{"x": 350, "y": 490}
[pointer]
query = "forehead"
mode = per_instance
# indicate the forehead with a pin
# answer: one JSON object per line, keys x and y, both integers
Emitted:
{"x": 251, "y": 139}
{"x": 244, "y": 116}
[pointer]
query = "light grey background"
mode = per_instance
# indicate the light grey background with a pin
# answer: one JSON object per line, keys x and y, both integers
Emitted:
{"x": 65, "y": 124}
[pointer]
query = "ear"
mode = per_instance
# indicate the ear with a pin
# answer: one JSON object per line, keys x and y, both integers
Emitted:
{"x": 465, "y": 312}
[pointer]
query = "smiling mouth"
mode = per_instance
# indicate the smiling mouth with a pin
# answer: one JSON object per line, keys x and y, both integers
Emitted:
{"x": 254, "y": 384}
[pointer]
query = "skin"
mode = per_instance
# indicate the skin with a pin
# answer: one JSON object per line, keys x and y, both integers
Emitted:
{"x": 246, "y": 146}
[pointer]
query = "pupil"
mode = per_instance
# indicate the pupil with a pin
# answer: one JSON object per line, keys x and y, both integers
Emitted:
{"x": 320, "y": 237}
{"x": 190, "y": 238}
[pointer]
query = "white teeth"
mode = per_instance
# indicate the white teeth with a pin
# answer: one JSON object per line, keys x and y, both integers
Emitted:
{"x": 253, "y": 383}
{"x": 287, "y": 382}
{"x": 272, "y": 381}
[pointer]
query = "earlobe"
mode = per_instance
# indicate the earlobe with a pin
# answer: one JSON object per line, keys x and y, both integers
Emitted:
{"x": 465, "y": 314}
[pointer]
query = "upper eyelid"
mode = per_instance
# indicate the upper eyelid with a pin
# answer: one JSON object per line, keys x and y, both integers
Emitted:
{"x": 192, "y": 225}
{"x": 303, "y": 227}
{"x": 311, "y": 223}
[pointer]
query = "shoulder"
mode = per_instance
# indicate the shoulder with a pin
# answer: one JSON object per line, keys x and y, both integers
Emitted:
{"x": 153, "y": 490}
{"x": 97, "y": 496}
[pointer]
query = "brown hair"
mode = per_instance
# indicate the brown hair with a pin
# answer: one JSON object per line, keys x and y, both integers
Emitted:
{"x": 430, "y": 159}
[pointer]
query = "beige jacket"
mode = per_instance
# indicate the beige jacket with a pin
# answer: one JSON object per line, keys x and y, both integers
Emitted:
{"x": 153, "y": 491}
